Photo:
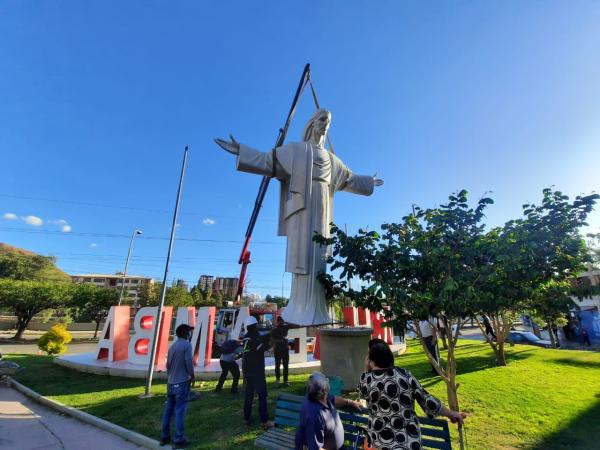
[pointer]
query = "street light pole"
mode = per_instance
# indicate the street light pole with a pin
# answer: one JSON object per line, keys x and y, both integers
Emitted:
{"x": 158, "y": 318}
{"x": 135, "y": 233}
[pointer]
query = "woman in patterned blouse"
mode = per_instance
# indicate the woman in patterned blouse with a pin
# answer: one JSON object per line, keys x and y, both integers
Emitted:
{"x": 390, "y": 393}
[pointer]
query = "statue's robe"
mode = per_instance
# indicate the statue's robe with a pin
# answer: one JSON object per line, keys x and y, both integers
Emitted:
{"x": 309, "y": 177}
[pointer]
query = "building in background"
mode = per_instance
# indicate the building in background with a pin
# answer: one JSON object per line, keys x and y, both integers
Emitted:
{"x": 181, "y": 283}
{"x": 226, "y": 286}
{"x": 205, "y": 282}
{"x": 133, "y": 283}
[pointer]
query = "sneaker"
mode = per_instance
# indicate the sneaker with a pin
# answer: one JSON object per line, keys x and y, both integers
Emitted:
{"x": 164, "y": 441}
{"x": 181, "y": 444}
{"x": 286, "y": 384}
{"x": 268, "y": 424}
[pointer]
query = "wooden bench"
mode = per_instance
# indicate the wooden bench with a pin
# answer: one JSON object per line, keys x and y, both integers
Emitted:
{"x": 434, "y": 432}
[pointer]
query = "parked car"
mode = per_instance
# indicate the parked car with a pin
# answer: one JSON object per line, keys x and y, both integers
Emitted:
{"x": 527, "y": 337}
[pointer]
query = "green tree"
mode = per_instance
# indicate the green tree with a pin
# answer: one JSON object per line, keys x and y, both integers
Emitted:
{"x": 27, "y": 298}
{"x": 557, "y": 253}
{"x": 178, "y": 296}
{"x": 427, "y": 265}
{"x": 149, "y": 294}
{"x": 594, "y": 247}
{"x": 279, "y": 300}
{"x": 92, "y": 303}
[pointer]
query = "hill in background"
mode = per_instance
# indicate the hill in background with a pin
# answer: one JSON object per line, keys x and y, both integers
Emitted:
{"x": 51, "y": 273}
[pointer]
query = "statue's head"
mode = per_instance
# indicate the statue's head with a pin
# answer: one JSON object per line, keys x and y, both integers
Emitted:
{"x": 317, "y": 126}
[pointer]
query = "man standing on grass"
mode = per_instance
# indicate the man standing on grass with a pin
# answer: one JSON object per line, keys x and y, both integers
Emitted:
{"x": 253, "y": 367}
{"x": 281, "y": 349}
{"x": 180, "y": 370}
{"x": 428, "y": 331}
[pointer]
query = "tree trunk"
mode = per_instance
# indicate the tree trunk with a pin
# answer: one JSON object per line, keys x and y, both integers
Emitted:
{"x": 96, "y": 330}
{"x": 452, "y": 389}
{"x": 500, "y": 357}
{"x": 22, "y": 323}
{"x": 444, "y": 340}
{"x": 551, "y": 334}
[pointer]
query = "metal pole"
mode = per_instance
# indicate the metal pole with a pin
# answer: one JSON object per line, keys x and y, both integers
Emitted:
{"x": 163, "y": 290}
{"x": 127, "y": 264}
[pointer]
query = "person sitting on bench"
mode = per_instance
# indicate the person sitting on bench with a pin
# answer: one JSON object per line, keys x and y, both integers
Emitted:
{"x": 320, "y": 425}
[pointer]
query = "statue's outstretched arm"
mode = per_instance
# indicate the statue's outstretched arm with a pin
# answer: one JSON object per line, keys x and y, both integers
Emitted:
{"x": 231, "y": 147}
{"x": 377, "y": 181}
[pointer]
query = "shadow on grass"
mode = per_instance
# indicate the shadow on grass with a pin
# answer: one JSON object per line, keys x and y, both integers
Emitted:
{"x": 466, "y": 363}
{"x": 581, "y": 433}
{"x": 575, "y": 363}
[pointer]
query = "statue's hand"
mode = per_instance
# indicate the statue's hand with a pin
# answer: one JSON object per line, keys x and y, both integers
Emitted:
{"x": 377, "y": 181}
{"x": 232, "y": 147}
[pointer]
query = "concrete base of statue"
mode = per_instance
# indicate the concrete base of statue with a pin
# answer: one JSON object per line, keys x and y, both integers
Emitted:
{"x": 87, "y": 362}
{"x": 343, "y": 352}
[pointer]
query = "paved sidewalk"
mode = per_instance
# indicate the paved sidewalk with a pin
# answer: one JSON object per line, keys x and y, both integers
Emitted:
{"x": 27, "y": 425}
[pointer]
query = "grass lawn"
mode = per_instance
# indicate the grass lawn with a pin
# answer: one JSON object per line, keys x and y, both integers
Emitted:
{"x": 544, "y": 399}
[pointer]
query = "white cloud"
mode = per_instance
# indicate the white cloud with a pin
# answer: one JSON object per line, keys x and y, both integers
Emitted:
{"x": 63, "y": 224}
{"x": 9, "y": 216}
{"x": 93, "y": 244}
{"x": 33, "y": 221}
{"x": 209, "y": 221}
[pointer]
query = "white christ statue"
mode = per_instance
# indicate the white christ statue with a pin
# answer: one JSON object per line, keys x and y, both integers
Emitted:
{"x": 309, "y": 176}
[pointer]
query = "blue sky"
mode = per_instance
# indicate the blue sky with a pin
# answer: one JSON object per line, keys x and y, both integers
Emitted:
{"x": 98, "y": 100}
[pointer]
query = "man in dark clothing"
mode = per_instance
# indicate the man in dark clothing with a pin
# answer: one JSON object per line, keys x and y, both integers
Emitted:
{"x": 180, "y": 370}
{"x": 253, "y": 366}
{"x": 585, "y": 337}
{"x": 281, "y": 349}
{"x": 231, "y": 352}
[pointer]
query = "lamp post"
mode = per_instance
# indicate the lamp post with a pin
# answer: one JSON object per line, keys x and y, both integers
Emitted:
{"x": 135, "y": 233}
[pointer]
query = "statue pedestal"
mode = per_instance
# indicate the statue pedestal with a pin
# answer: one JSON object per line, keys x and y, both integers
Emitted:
{"x": 343, "y": 352}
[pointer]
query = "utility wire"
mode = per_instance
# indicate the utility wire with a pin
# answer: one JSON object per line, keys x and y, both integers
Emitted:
{"x": 122, "y": 207}
{"x": 124, "y": 236}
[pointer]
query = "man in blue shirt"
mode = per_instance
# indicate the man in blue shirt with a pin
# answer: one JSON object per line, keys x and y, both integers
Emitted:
{"x": 180, "y": 370}
{"x": 320, "y": 425}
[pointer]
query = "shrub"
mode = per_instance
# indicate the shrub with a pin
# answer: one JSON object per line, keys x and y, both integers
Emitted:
{"x": 54, "y": 342}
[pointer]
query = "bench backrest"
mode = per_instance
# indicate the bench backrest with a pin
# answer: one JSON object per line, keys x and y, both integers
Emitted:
{"x": 434, "y": 432}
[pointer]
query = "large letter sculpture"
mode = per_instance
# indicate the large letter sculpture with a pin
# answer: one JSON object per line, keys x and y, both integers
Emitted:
{"x": 143, "y": 330}
{"x": 202, "y": 338}
{"x": 112, "y": 344}
{"x": 186, "y": 315}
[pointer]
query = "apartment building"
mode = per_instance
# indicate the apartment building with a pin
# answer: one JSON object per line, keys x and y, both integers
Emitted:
{"x": 133, "y": 283}
{"x": 226, "y": 286}
{"x": 206, "y": 281}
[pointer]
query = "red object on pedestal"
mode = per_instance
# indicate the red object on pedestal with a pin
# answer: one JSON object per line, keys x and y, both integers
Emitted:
{"x": 317, "y": 348}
